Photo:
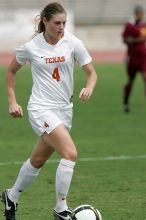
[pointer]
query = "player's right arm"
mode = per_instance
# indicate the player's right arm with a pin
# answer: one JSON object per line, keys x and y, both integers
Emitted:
{"x": 15, "y": 109}
{"x": 126, "y": 35}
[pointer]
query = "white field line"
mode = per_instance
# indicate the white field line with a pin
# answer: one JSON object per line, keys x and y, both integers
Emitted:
{"x": 86, "y": 159}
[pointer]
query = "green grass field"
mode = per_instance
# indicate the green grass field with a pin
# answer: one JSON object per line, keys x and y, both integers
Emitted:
{"x": 100, "y": 130}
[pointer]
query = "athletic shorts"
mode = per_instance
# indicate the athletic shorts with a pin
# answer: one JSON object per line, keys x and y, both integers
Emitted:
{"x": 135, "y": 65}
{"x": 47, "y": 121}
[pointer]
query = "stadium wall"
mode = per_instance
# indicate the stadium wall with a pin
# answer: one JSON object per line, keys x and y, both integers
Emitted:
{"x": 17, "y": 26}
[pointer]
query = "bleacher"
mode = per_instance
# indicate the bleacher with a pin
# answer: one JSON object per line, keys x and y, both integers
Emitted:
{"x": 86, "y": 12}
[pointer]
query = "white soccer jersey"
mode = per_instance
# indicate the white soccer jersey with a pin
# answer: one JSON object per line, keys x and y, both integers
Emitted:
{"x": 52, "y": 69}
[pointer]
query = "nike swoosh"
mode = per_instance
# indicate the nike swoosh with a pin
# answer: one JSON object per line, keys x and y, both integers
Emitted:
{"x": 63, "y": 217}
{"x": 7, "y": 206}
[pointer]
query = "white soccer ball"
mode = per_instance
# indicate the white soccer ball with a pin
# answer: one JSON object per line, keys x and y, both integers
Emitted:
{"x": 87, "y": 212}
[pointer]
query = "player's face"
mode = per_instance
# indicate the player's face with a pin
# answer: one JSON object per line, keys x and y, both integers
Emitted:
{"x": 139, "y": 15}
{"x": 54, "y": 28}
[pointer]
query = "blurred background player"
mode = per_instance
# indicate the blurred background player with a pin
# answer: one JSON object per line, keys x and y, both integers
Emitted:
{"x": 134, "y": 36}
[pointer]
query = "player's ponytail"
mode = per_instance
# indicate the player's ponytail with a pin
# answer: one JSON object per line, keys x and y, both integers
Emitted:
{"x": 48, "y": 12}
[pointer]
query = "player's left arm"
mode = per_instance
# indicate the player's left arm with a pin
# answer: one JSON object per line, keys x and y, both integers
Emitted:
{"x": 134, "y": 40}
{"x": 140, "y": 38}
{"x": 87, "y": 91}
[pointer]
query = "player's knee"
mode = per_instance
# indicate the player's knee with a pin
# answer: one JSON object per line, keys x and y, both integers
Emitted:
{"x": 37, "y": 162}
{"x": 71, "y": 155}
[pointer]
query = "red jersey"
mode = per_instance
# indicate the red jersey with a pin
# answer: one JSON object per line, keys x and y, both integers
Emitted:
{"x": 132, "y": 29}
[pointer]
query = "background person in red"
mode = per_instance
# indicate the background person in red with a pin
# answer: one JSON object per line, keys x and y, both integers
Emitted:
{"x": 134, "y": 36}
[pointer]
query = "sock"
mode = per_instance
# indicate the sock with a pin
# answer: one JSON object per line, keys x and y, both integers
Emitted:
{"x": 26, "y": 176}
{"x": 63, "y": 180}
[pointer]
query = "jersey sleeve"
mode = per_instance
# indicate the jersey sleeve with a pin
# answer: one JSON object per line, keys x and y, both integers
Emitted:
{"x": 127, "y": 31}
{"x": 21, "y": 55}
{"x": 81, "y": 55}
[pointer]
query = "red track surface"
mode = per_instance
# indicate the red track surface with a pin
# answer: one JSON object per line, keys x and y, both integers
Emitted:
{"x": 98, "y": 57}
{"x": 108, "y": 56}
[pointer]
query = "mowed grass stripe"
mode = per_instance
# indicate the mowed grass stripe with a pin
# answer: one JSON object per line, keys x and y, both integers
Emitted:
{"x": 88, "y": 159}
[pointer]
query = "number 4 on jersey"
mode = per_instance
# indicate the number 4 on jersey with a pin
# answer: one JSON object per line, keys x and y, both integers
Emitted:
{"x": 56, "y": 74}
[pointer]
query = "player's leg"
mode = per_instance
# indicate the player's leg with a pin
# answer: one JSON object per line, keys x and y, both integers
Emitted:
{"x": 28, "y": 173}
{"x": 131, "y": 73}
{"x": 62, "y": 143}
{"x": 143, "y": 71}
{"x": 30, "y": 169}
{"x": 40, "y": 154}
{"x": 127, "y": 93}
{"x": 144, "y": 77}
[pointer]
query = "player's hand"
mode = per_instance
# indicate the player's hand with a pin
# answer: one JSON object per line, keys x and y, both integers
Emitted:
{"x": 85, "y": 94}
{"x": 130, "y": 40}
{"x": 15, "y": 110}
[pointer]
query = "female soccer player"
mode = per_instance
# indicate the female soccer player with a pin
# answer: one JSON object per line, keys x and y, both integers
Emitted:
{"x": 52, "y": 54}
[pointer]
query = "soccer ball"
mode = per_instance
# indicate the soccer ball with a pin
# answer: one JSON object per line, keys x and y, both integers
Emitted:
{"x": 87, "y": 212}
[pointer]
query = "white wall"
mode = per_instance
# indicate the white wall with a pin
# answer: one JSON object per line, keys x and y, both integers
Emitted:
{"x": 17, "y": 27}
{"x": 101, "y": 38}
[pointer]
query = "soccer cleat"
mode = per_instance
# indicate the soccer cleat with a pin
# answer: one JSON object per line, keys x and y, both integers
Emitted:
{"x": 65, "y": 215}
{"x": 10, "y": 207}
{"x": 126, "y": 108}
